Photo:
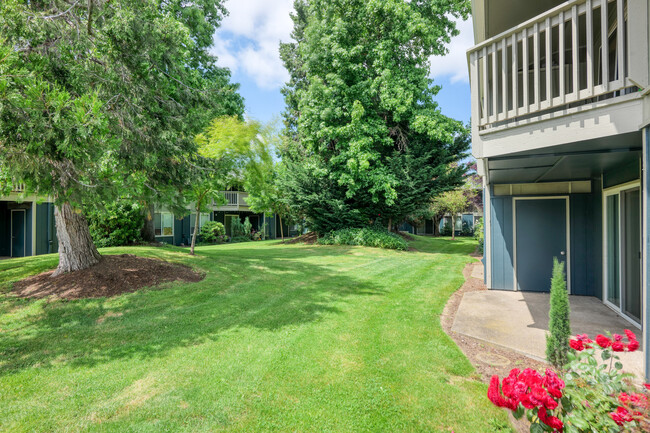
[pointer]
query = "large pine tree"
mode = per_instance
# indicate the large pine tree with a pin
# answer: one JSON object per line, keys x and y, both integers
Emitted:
{"x": 103, "y": 97}
{"x": 366, "y": 142}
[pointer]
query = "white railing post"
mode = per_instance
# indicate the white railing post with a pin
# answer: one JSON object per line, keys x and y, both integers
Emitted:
{"x": 496, "y": 104}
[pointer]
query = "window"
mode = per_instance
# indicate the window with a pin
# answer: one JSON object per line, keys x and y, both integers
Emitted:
{"x": 205, "y": 217}
{"x": 163, "y": 224}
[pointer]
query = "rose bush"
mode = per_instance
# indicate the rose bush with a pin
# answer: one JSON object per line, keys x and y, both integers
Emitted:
{"x": 590, "y": 396}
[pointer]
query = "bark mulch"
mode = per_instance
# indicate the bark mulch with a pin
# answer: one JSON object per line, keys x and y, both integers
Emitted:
{"x": 112, "y": 276}
{"x": 308, "y": 238}
{"x": 488, "y": 359}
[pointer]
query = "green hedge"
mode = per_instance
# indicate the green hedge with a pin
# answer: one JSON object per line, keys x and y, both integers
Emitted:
{"x": 367, "y": 237}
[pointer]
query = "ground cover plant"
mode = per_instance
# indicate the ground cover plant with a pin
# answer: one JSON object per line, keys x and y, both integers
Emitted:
{"x": 276, "y": 338}
{"x": 367, "y": 237}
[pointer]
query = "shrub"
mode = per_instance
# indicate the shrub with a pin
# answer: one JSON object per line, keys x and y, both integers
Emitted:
{"x": 368, "y": 237}
{"x": 117, "y": 224}
{"x": 236, "y": 239}
{"x": 212, "y": 231}
{"x": 466, "y": 230}
{"x": 445, "y": 230}
{"x": 239, "y": 229}
{"x": 479, "y": 234}
{"x": 248, "y": 227}
{"x": 557, "y": 341}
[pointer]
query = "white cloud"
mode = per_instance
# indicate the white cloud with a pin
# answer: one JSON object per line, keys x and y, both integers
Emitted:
{"x": 454, "y": 64}
{"x": 248, "y": 39}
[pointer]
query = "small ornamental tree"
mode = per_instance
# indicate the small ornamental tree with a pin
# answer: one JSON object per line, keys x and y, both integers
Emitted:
{"x": 557, "y": 341}
{"x": 451, "y": 202}
{"x": 227, "y": 148}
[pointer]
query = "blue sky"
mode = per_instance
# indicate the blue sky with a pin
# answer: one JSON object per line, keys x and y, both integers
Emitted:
{"x": 248, "y": 40}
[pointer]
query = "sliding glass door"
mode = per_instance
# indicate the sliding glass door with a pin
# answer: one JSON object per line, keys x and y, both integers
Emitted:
{"x": 622, "y": 250}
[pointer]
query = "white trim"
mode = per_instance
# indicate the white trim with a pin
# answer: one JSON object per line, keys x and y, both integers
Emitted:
{"x": 487, "y": 239}
{"x": 568, "y": 236}
{"x": 11, "y": 232}
{"x": 644, "y": 238}
{"x": 616, "y": 190}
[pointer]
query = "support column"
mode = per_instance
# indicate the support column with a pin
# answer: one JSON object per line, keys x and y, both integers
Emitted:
{"x": 646, "y": 248}
{"x": 487, "y": 238}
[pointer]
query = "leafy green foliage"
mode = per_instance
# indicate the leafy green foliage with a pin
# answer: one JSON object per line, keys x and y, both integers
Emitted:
{"x": 599, "y": 384}
{"x": 117, "y": 224}
{"x": 102, "y": 100}
{"x": 367, "y": 236}
{"x": 479, "y": 234}
{"x": 240, "y": 229}
{"x": 446, "y": 230}
{"x": 451, "y": 203}
{"x": 365, "y": 141}
{"x": 229, "y": 150}
{"x": 212, "y": 231}
{"x": 557, "y": 341}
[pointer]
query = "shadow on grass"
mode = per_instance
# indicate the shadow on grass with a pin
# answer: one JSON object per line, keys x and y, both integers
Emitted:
{"x": 267, "y": 289}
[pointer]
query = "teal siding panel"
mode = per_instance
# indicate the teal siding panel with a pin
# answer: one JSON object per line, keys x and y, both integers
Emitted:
{"x": 165, "y": 239}
{"x": 29, "y": 235}
{"x": 42, "y": 212}
{"x": 5, "y": 229}
{"x": 502, "y": 248}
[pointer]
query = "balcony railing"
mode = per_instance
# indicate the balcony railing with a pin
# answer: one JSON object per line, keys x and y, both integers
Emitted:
{"x": 235, "y": 199}
{"x": 554, "y": 61}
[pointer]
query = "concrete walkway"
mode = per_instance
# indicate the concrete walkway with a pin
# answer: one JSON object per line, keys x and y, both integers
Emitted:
{"x": 519, "y": 321}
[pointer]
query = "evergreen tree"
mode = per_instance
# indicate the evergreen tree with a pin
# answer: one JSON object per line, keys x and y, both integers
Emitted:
{"x": 367, "y": 144}
{"x": 557, "y": 341}
{"x": 101, "y": 99}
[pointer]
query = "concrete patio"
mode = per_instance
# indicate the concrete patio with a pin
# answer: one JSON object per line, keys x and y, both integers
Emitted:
{"x": 519, "y": 321}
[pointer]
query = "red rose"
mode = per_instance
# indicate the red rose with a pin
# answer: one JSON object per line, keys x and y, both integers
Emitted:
{"x": 494, "y": 394}
{"x": 618, "y": 346}
{"x": 621, "y": 416}
{"x": 630, "y": 335}
{"x": 603, "y": 341}
{"x": 576, "y": 345}
{"x": 617, "y": 337}
{"x": 553, "y": 422}
{"x": 632, "y": 346}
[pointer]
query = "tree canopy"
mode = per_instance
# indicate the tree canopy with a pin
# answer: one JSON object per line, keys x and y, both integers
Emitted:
{"x": 367, "y": 142}
{"x": 102, "y": 97}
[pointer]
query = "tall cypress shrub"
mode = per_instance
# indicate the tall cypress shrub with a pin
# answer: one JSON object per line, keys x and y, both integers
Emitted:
{"x": 557, "y": 341}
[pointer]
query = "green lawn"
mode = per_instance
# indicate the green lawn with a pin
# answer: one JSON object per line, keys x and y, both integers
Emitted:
{"x": 277, "y": 338}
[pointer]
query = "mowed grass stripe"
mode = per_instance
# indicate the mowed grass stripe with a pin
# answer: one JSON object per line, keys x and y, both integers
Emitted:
{"x": 277, "y": 338}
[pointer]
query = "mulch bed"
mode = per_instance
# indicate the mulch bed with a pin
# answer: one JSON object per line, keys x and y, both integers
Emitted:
{"x": 488, "y": 359}
{"x": 308, "y": 238}
{"x": 112, "y": 276}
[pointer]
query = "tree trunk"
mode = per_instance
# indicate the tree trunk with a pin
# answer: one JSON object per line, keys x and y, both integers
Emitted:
{"x": 196, "y": 230}
{"x": 148, "y": 231}
{"x": 281, "y": 229}
{"x": 453, "y": 227}
{"x": 436, "y": 226}
{"x": 390, "y": 224}
{"x": 76, "y": 248}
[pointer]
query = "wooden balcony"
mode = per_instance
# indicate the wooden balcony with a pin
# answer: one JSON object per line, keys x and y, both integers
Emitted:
{"x": 579, "y": 53}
